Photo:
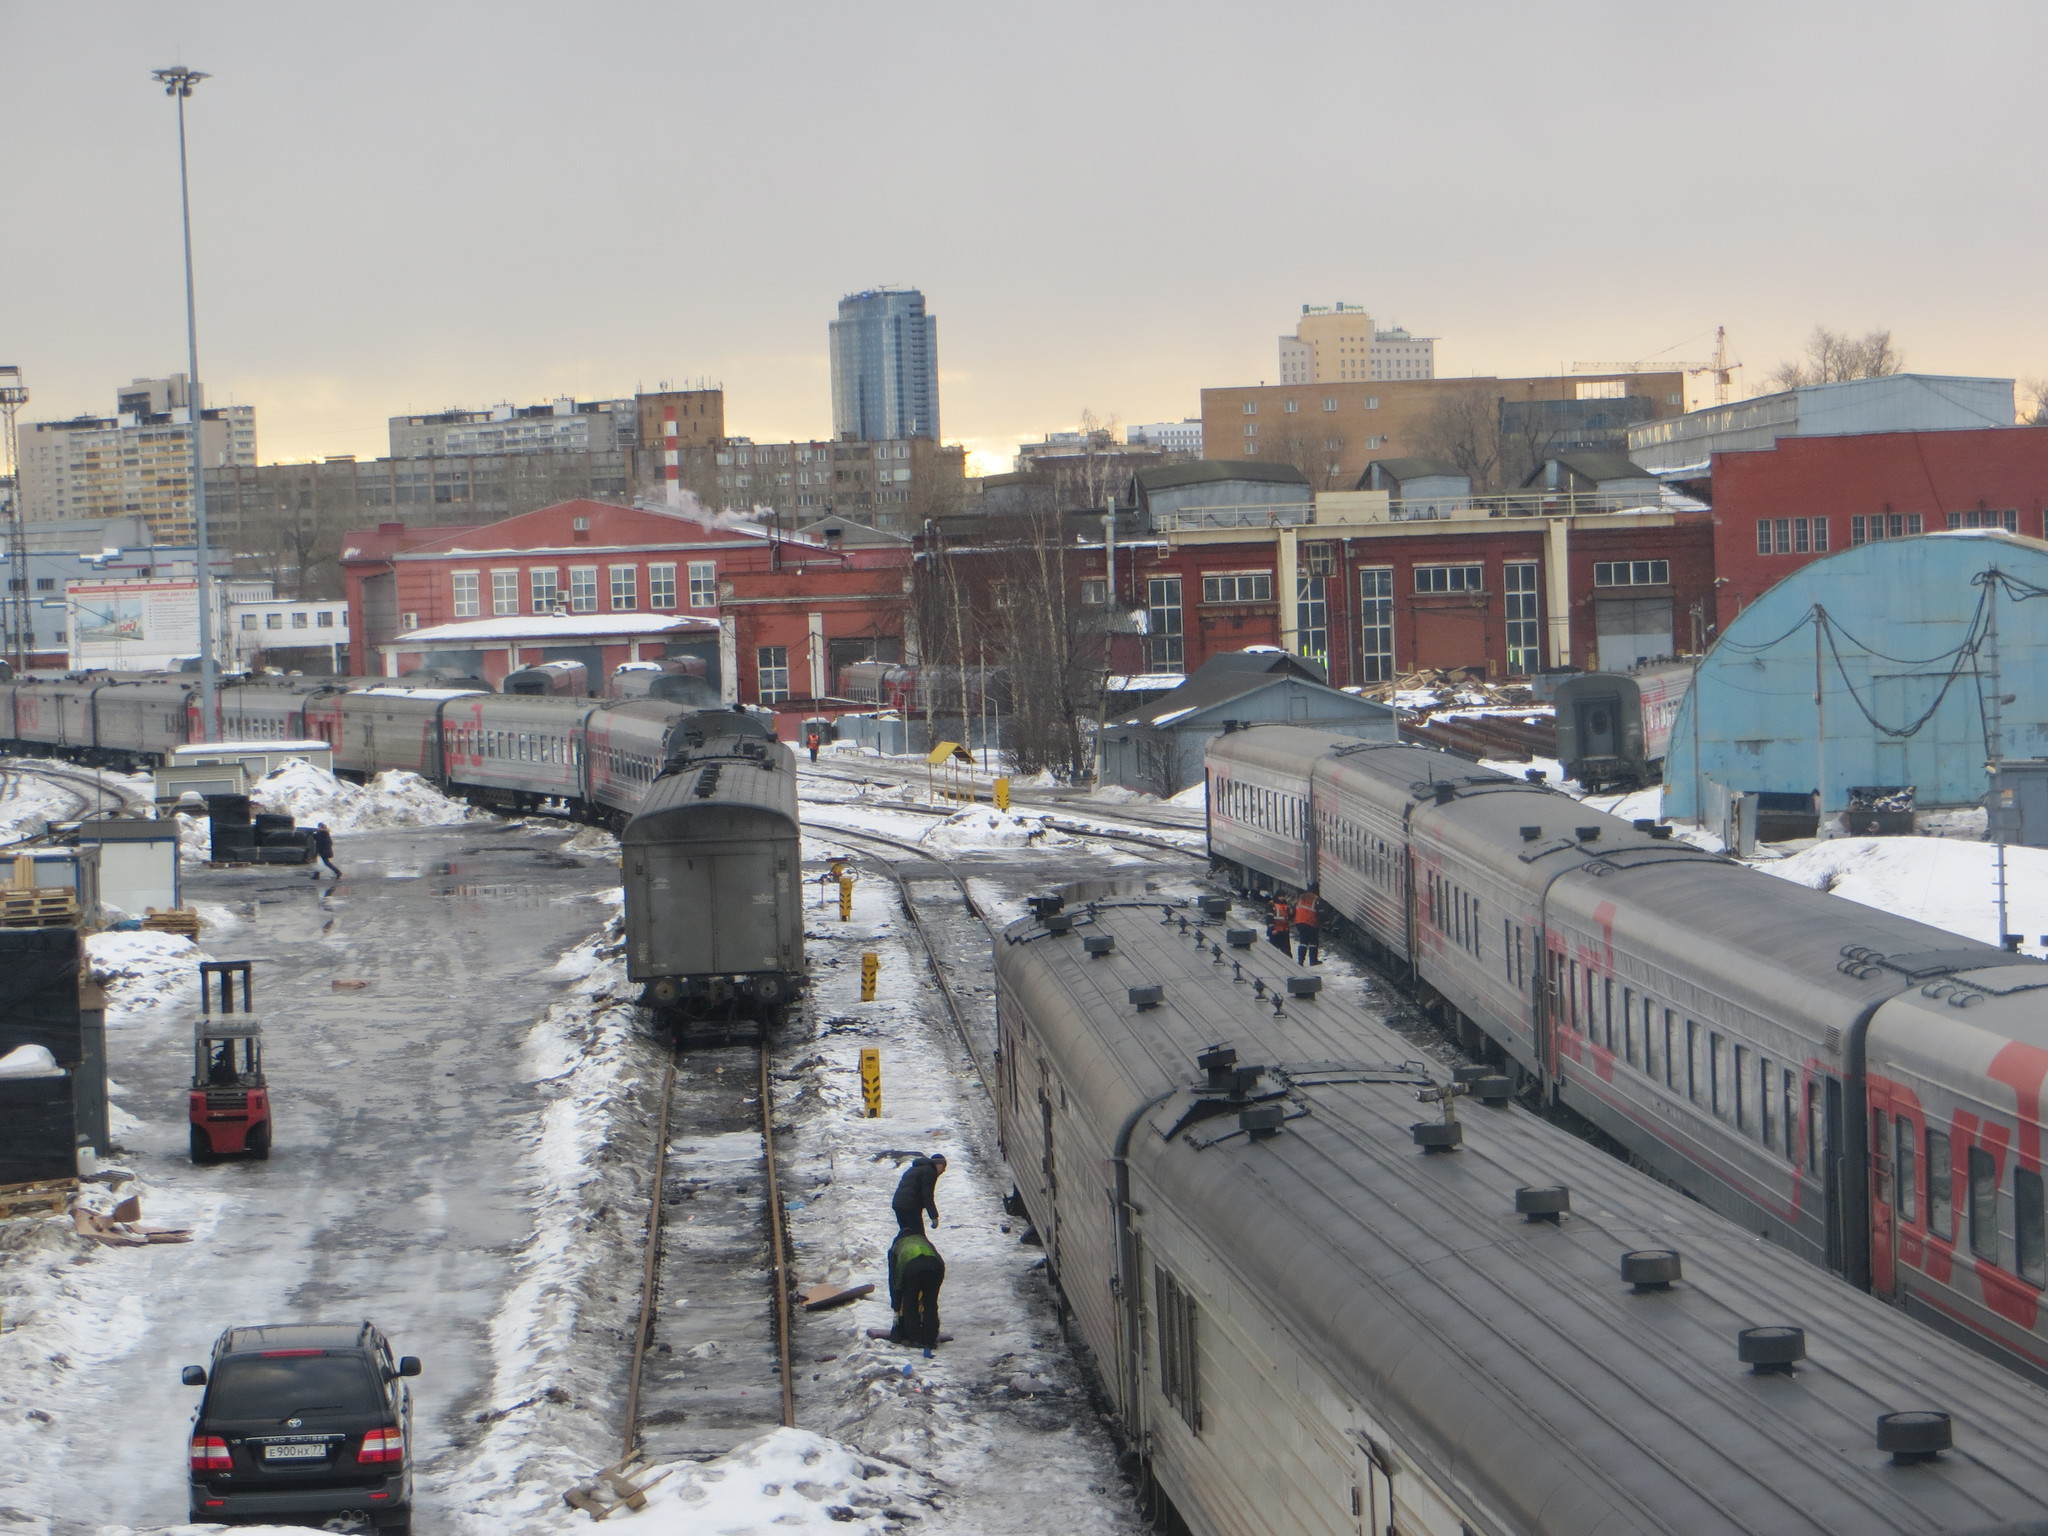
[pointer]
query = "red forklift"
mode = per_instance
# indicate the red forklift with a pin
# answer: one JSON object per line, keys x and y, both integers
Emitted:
{"x": 230, "y": 1101}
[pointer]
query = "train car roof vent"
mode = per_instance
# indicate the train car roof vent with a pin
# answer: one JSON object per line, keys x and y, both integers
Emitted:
{"x": 1644, "y": 823}
{"x": 1240, "y": 938}
{"x": 1304, "y": 986}
{"x": 1587, "y": 834}
{"x": 1771, "y": 1351}
{"x": 1143, "y": 998}
{"x": 1438, "y": 1135}
{"x": 1099, "y": 944}
{"x": 1494, "y": 1090}
{"x": 1920, "y": 1435}
{"x": 1215, "y": 906}
{"x": 1661, "y": 831}
{"x": 707, "y": 782}
{"x": 1259, "y": 1121}
{"x": 1650, "y": 1269}
{"x": 1531, "y": 834}
{"x": 1043, "y": 907}
{"x": 1059, "y": 922}
{"x": 1218, "y": 1058}
{"x": 1445, "y": 793}
{"x": 1543, "y": 1202}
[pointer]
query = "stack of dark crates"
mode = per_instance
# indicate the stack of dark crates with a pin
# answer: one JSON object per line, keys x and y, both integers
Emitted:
{"x": 41, "y": 1117}
{"x": 240, "y": 837}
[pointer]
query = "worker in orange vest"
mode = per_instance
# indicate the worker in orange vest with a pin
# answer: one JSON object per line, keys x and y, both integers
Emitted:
{"x": 1278, "y": 924}
{"x": 1308, "y": 934}
{"x": 812, "y": 742}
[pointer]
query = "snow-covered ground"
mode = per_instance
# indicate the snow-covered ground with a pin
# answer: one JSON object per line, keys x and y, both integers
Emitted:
{"x": 28, "y": 804}
{"x": 394, "y": 798}
{"x": 1941, "y": 881}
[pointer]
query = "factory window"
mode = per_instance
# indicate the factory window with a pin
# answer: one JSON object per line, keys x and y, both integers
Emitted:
{"x": 300, "y": 621}
{"x": 1450, "y": 578}
{"x": 1164, "y": 648}
{"x": 1251, "y": 429}
{"x": 1312, "y": 602}
{"x": 467, "y": 604}
{"x": 1238, "y": 587}
{"x": 625, "y": 588}
{"x": 1291, "y": 407}
{"x": 1518, "y": 583}
{"x": 1909, "y": 1206}
{"x": 1631, "y": 573}
{"x": 46, "y": 583}
{"x": 1329, "y": 402}
{"x": 248, "y": 621}
{"x": 1795, "y": 535}
{"x": 583, "y": 588}
{"x": 661, "y": 586}
{"x": 1179, "y": 1348}
{"x": 1094, "y": 592}
{"x": 1882, "y": 525}
{"x": 1372, "y": 402}
{"x": 703, "y": 584}
{"x": 1251, "y": 407}
{"x": 2029, "y": 1227}
{"x": 504, "y": 592}
{"x": 273, "y": 621}
{"x": 1983, "y": 1204}
{"x": 2009, "y": 521}
{"x": 546, "y": 588}
{"x": 1376, "y": 622}
{"x": 773, "y": 665}
{"x": 1941, "y": 1221}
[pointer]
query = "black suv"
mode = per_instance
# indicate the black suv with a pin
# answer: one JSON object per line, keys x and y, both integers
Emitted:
{"x": 306, "y": 1419}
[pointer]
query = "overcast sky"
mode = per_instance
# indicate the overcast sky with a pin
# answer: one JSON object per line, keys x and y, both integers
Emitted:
{"x": 414, "y": 206}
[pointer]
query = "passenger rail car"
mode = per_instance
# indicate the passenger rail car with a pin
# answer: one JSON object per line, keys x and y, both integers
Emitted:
{"x": 1613, "y": 727}
{"x": 1759, "y": 1043}
{"x": 1308, "y": 1324}
{"x": 714, "y": 897}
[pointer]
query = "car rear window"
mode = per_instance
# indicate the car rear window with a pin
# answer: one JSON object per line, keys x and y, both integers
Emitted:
{"x": 291, "y": 1387}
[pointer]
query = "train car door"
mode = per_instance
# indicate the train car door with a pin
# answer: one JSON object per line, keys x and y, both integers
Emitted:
{"x": 1049, "y": 1169}
{"x": 744, "y": 934}
{"x": 1883, "y": 1187}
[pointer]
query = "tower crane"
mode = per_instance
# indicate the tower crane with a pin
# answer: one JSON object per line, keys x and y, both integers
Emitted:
{"x": 1718, "y": 365}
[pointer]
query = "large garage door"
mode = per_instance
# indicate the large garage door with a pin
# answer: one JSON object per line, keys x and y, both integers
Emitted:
{"x": 1631, "y": 629}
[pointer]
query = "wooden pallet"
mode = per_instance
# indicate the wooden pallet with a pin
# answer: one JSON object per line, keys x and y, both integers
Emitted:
{"x": 50, "y": 906}
{"x": 44, "y": 1197}
{"x": 613, "y": 1489}
{"x": 179, "y": 920}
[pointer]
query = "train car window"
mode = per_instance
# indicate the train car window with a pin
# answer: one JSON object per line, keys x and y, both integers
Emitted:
{"x": 1631, "y": 1045}
{"x": 1880, "y": 1164}
{"x": 1607, "y": 1011}
{"x": 1745, "y": 1095}
{"x": 1695, "y": 1063}
{"x": 1507, "y": 949}
{"x": 1478, "y": 932}
{"x": 1941, "y": 1216}
{"x": 1572, "y": 991}
{"x": 1179, "y": 1361}
{"x": 1719, "y": 1074}
{"x": 1767, "y": 1104}
{"x": 2029, "y": 1227}
{"x": 1904, "y": 1172}
{"x": 1816, "y": 1138}
{"x": 1983, "y": 1204}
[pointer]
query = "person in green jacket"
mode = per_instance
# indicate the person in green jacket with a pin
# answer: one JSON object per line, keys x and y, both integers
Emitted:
{"x": 915, "y": 1274}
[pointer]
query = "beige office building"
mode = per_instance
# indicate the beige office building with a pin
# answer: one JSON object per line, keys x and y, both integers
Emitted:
{"x": 137, "y": 462}
{"x": 1340, "y": 345}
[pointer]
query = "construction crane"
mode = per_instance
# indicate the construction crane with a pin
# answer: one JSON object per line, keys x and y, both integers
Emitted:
{"x": 1718, "y": 365}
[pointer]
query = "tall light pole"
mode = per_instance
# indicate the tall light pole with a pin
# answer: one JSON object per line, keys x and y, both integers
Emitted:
{"x": 13, "y": 396}
{"x": 178, "y": 82}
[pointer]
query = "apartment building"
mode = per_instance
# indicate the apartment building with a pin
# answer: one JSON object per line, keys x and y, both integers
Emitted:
{"x": 1339, "y": 344}
{"x": 893, "y": 484}
{"x": 136, "y": 462}
{"x": 885, "y": 367}
{"x": 1184, "y": 436}
{"x": 556, "y": 426}
{"x": 1332, "y": 431}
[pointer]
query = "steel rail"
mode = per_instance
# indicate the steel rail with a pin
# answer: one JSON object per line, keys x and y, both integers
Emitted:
{"x": 651, "y": 1265}
{"x": 778, "y": 1250}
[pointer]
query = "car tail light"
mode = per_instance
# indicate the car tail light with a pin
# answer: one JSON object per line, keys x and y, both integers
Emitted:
{"x": 382, "y": 1445}
{"x": 210, "y": 1454}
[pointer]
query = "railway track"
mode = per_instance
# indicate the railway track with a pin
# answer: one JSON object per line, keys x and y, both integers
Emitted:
{"x": 89, "y": 792}
{"x": 1072, "y": 828}
{"x": 706, "y": 1374}
{"x": 1158, "y": 816}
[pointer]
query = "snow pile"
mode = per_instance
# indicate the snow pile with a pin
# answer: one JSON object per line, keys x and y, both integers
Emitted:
{"x": 1195, "y": 797}
{"x": 787, "y": 1480}
{"x": 195, "y": 839}
{"x": 1121, "y": 794}
{"x": 29, "y": 1061}
{"x": 29, "y": 804}
{"x": 394, "y": 798}
{"x": 1940, "y": 881}
{"x": 552, "y": 1401}
{"x": 984, "y": 827}
{"x": 144, "y": 972}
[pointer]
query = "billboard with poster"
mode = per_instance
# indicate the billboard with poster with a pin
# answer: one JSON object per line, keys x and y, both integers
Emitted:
{"x": 129, "y": 626}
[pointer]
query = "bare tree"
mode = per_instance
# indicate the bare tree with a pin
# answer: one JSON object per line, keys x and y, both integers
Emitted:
{"x": 1832, "y": 357}
{"x": 1463, "y": 430}
{"x": 2033, "y": 401}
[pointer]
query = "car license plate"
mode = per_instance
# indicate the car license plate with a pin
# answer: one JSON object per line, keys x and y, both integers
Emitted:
{"x": 294, "y": 1452}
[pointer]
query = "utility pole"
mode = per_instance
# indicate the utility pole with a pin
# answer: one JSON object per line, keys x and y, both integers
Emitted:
{"x": 178, "y": 83}
{"x": 13, "y": 396}
{"x": 1820, "y": 728}
{"x": 1994, "y": 736}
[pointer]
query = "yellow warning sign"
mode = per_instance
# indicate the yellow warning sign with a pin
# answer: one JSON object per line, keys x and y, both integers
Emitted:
{"x": 845, "y": 896}
{"x": 1002, "y": 788}
{"x": 871, "y": 1080}
{"x": 870, "y": 968}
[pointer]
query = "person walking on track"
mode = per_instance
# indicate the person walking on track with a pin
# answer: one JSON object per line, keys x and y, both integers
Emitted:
{"x": 914, "y": 1192}
{"x": 323, "y": 849}
{"x": 1279, "y": 923}
{"x": 1308, "y": 934}
{"x": 813, "y": 741}
{"x": 915, "y": 1274}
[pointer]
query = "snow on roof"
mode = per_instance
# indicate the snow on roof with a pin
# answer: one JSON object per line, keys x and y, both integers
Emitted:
{"x": 548, "y": 626}
{"x": 186, "y": 753}
{"x": 422, "y": 693}
{"x": 1143, "y": 680}
{"x": 1173, "y": 715}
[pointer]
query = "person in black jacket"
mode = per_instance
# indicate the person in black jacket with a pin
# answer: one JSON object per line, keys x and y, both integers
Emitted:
{"x": 914, "y": 1192}
{"x": 915, "y": 1274}
{"x": 323, "y": 849}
